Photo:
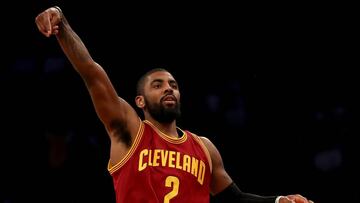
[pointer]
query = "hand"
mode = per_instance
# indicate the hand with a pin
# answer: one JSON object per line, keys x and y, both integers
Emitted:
{"x": 294, "y": 199}
{"x": 48, "y": 21}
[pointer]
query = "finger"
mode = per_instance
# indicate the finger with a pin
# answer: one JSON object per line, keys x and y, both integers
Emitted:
{"x": 304, "y": 198}
{"x": 47, "y": 23}
{"x": 55, "y": 30}
{"x": 40, "y": 25}
{"x": 55, "y": 17}
{"x": 311, "y": 201}
{"x": 288, "y": 200}
{"x": 42, "y": 21}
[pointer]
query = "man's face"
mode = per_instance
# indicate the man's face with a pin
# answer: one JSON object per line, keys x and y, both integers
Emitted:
{"x": 162, "y": 97}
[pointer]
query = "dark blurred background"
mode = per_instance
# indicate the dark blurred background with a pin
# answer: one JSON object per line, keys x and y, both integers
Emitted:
{"x": 275, "y": 87}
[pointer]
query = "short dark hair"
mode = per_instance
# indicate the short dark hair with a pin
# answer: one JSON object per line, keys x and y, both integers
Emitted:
{"x": 141, "y": 81}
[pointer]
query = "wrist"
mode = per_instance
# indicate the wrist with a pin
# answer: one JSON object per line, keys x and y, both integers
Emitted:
{"x": 60, "y": 12}
{"x": 277, "y": 200}
{"x": 58, "y": 8}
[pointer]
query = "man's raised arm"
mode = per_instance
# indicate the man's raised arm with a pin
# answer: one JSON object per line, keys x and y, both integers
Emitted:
{"x": 120, "y": 119}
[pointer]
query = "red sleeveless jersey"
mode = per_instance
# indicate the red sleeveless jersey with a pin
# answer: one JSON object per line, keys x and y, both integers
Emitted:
{"x": 162, "y": 169}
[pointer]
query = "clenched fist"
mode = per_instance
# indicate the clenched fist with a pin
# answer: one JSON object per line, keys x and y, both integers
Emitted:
{"x": 48, "y": 21}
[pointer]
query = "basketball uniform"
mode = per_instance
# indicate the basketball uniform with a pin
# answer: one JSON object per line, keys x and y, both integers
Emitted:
{"x": 163, "y": 169}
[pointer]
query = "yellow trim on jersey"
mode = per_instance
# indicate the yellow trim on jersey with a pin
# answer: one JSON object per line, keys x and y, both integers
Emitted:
{"x": 167, "y": 137}
{"x": 130, "y": 152}
{"x": 205, "y": 149}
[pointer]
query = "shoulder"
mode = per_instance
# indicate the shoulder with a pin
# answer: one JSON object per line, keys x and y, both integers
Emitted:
{"x": 211, "y": 148}
{"x": 214, "y": 153}
{"x": 206, "y": 141}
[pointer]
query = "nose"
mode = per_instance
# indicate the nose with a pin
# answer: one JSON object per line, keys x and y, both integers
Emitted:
{"x": 168, "y": 88}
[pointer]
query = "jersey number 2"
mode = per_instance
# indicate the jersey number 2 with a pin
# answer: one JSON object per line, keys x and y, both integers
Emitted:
{"x": 171, "y": 181}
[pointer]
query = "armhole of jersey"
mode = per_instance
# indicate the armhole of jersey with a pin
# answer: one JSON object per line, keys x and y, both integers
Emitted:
{"x": 113, "y": 169}
{"x": 205, "y": 149}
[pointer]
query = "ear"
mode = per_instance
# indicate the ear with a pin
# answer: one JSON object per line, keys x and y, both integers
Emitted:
{"x": 139, "y": 101}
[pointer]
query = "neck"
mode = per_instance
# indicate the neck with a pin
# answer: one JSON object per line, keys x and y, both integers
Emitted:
{"x": 167, "y": 128}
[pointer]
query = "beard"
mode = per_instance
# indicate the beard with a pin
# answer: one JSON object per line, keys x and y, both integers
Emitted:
{"x": 162, "y": 113}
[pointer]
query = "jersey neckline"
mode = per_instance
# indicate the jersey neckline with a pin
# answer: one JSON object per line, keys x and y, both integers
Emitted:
{"x": 168, "y": 138}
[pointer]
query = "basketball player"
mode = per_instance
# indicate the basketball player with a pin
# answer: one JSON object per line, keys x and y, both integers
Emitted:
{"x": 151, "y": 160}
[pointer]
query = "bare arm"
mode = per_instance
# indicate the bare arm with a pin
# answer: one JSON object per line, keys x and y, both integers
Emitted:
{"x": 220, "y": 179}
{"x": 119, "y": 118}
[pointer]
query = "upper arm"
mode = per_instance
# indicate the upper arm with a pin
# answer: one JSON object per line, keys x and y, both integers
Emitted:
{"x": 111, "y": 110}
{"x": 220, "y": 179}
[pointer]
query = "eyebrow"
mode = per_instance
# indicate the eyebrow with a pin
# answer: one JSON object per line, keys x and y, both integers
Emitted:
{"x": 161, "y": 80}
{"x": 173, "y": 81}
{"x": 156, "y": 80}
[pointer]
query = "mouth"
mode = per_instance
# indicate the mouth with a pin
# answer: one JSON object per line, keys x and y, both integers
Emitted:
{"x": 169, "y": 100}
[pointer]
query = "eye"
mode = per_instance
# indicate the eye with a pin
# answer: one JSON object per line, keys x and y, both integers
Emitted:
{"x": 174, "y": 86}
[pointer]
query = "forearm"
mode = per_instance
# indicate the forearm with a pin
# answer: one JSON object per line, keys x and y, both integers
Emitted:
{"x": 74, "y": 48}
{"x": 233, "y": 194}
